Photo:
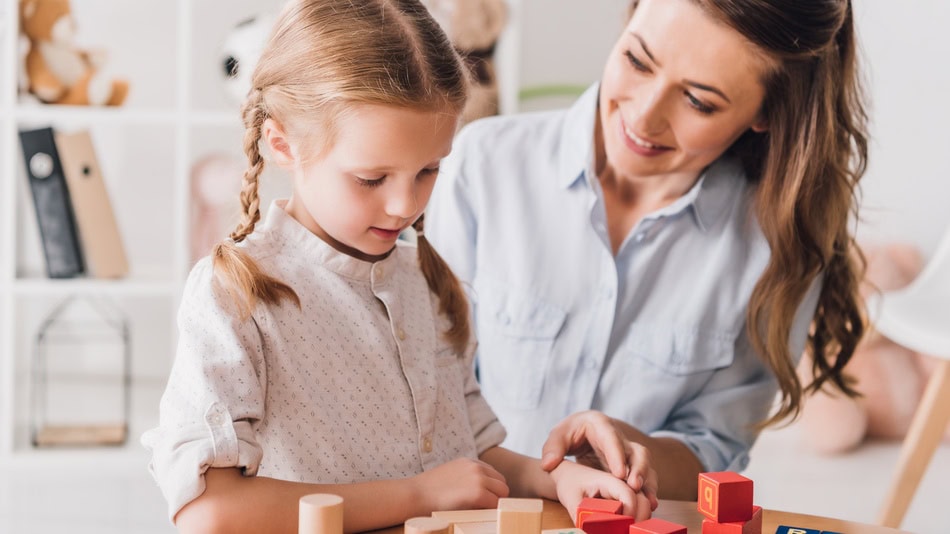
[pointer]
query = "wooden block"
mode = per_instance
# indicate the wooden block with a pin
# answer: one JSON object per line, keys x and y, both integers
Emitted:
{"x": 455, "y": 517}
{"x": 725, "y": 497}
{"x": 785, "y": 529}
{"x": 590, "y": 505}
{"x": 657, "y": 526}
{"x": 479, "y": 527}
{"x": 752, "y": 526}
{"x": 519, "y": 516}
{"x": 599, "y": 523}
{"x": 426, "y": 525}
{"x": 320, "y": 513}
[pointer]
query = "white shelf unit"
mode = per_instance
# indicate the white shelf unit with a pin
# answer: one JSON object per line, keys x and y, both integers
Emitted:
{"x": 177, "y": 111}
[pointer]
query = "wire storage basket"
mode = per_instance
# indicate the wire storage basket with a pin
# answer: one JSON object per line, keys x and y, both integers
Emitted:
{"x": 81, "y": 376}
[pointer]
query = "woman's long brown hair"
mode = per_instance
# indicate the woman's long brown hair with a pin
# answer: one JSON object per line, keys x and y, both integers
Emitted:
{"x": 807, "y": 167}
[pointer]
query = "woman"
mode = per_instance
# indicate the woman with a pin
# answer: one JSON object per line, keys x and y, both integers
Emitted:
{"x": 656, "y": 258}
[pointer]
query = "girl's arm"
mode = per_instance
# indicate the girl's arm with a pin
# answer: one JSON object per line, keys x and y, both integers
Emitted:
{"x": 568, "y": 482}
{"x": 233, "y": 503}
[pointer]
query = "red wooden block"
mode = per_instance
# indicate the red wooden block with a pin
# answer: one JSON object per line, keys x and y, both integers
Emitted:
{"x": 590, "y": 505}
{"x": 752, "y": 526}
{"x": 600, "y": 523}
{"x": 725, "y": 497}
{"x": 656, "y": 526}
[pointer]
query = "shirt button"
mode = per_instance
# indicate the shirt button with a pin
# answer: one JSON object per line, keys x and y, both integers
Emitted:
{"x": 609, "y": 292}
{"x": 639, "y": 237}
{"x": 427, "y": 445}
{"x": 379, "y": 271}
{"x": 503, "y": 318}
{"x": 590, "y": 363}
{"x": 401, "y": 334}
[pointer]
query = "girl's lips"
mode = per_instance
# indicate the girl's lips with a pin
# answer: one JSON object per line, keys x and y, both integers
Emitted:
{"x": 386, "y": 234}
{"x": 638, "y": 145}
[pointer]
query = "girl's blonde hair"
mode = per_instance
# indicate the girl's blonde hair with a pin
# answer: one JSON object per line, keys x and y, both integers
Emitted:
{"x": 323, "y": 57}
{"x": 807, "y": 167}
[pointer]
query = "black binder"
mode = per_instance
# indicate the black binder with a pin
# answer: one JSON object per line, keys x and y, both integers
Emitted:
{"x": 54, "y": 212}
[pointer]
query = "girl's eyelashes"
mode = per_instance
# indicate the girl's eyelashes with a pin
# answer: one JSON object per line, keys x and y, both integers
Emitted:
{"x": 370, "y": 183}
{"x": 637, "y": 64}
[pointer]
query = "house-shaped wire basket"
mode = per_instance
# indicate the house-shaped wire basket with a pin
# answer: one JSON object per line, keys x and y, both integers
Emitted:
{"x": 81, "y": 376}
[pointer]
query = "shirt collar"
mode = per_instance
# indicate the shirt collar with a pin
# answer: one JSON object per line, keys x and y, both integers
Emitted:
{"x": 289, "y": 235}
{"x": 577, "y": 138}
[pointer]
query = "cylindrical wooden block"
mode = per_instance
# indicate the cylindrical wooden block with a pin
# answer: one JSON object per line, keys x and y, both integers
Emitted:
{"x": 321, "y": 513}
{"x": 426, "y": 525}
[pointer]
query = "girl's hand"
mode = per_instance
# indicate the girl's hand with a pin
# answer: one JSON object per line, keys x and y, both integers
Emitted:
{"x": 461, "y": 484}
{"x": 595, "y": 441}
{"x": 574, "y": 482}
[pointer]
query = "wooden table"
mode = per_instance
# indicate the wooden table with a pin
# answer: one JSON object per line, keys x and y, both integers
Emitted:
{"x": 685, "y": 513}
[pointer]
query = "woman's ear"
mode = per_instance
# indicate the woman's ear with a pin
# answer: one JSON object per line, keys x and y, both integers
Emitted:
{"x": 761, "y": 125}
{"x": 278, "y": 143}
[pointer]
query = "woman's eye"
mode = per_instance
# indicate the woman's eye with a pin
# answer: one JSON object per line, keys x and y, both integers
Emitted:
{"x": 370, "y": 183}
{"x": 698, "y": 104}
{"x": 637, "y": 64}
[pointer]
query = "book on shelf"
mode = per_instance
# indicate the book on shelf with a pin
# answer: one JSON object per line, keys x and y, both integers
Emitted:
{"x": 77, "y": 225}
{"x": 54, "y": 211}
{"x": 98, "y": 232}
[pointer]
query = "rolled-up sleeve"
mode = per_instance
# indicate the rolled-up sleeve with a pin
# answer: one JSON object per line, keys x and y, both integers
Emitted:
{"x": 715, "y": 425}
{"x": 214, "y": 398}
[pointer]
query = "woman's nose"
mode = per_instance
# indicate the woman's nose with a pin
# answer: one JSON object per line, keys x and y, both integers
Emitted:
{"x": 649, "y": 116}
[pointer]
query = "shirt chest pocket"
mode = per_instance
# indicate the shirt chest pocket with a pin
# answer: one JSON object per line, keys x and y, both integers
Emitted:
{"x": 676, "y": 350}
{"x": 516, "y": 338}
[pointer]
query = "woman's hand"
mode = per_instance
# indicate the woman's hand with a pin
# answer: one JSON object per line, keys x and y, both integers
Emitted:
{"x": 595, "y": 441}
{"x": 575, "y": 482}
{"x": 461, "y": 484}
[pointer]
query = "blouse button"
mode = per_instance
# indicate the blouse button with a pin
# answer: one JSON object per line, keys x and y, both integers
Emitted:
{"x": 379, "y": 271}
{"x": 401, "y": 334}
{"x": 427, "y": 445}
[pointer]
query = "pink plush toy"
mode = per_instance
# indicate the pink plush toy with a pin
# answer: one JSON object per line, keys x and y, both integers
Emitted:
{"x": 890, "y": 377}
{"x": 215, "y": 183}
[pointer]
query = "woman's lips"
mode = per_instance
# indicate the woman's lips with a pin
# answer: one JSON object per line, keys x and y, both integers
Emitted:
{"x": 639, "y": 145}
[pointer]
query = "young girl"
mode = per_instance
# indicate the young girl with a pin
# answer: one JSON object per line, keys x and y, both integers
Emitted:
{"x": 317, "y": 353}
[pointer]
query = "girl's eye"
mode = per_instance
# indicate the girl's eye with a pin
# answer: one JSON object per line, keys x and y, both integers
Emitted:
{"x": 637, "y": 64}
{"x": 698, "y": 104}
{"x": 370, "y": 184}
{"x": 429, "y": 172}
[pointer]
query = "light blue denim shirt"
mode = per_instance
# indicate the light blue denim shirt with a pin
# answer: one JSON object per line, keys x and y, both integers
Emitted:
{"x": 655, "y": 336}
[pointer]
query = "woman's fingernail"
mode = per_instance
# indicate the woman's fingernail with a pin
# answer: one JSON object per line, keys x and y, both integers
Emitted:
{"x": 639, "y": 482}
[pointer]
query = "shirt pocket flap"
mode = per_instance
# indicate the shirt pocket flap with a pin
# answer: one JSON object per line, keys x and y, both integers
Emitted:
{"x": 683, "y": 351}
{"x": 519, "y": 315}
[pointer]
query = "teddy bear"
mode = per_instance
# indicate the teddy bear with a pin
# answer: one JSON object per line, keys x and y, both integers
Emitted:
{"x": 473, "y": 27}
{"x": 58, "y": 72}
{"x": 890, "y": 377}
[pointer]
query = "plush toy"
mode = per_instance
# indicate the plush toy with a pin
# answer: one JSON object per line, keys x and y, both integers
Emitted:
{"x": 215, "y": 182}
{"x": 474, "y": 27}
{"x": 240, "y": 51}
{"x": 890, "y": 377}
{"x": 58, "y": 72}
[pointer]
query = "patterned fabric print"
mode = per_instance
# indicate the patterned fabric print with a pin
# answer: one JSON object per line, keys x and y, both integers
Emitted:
{"x": 356, "y": 385}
